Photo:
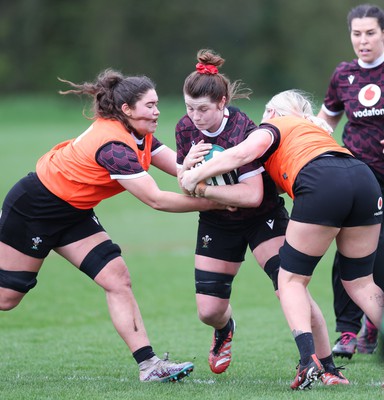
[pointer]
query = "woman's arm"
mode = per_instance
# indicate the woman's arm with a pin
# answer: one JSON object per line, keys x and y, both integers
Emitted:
{"x": 256, "y": 144}
{"x": 146, "y": 190}
{"x": 248, "y": 193}
{"x": 331, "y": 120}
{"x": 165, "y": 160}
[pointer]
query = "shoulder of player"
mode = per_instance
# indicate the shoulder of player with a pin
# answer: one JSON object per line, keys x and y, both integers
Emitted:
{"x": 236, "y": 116}
{"x": 347, "y": 67}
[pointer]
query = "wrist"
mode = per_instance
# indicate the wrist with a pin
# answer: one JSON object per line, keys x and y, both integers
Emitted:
{"x": 201, "y": 189}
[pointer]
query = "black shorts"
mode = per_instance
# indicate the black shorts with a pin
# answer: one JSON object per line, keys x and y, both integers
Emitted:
{"x": 229, "y": 241}
{"x": 34, "y": 221}
{"x": 338, "y": 191}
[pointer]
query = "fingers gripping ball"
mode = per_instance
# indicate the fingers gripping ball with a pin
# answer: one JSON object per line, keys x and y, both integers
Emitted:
{"x": 228, "y": 178}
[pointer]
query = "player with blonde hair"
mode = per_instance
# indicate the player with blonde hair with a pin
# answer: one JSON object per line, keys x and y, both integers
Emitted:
{"x": 335, "y": 197}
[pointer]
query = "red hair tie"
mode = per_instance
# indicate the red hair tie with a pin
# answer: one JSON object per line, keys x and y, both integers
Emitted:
{"x": 208, "y": 69}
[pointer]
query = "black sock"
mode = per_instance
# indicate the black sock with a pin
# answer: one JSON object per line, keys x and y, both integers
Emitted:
{"x": 328, "y": 363}
{"x": 224, "y": 331}
{"x": 306, "y": 347}
{"x": 143, "y": 354}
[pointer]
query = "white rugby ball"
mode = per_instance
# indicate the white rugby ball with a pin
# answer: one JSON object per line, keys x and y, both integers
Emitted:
{"x": 228, "y": 178}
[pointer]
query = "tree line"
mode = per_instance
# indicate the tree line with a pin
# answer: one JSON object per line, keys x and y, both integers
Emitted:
{"x": 270, "y": 45}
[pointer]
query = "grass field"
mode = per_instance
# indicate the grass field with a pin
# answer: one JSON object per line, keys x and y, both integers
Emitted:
{"x": 60, "y": 344}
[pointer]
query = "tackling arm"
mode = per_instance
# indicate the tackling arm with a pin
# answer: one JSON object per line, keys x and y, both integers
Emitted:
{"x": 245, "y": 152}
{"x": 146, "y": 190}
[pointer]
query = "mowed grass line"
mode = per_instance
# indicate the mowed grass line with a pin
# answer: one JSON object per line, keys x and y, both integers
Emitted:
{"x": 60, "y": 344}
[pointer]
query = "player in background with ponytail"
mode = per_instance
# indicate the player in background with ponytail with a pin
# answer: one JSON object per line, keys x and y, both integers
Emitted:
{"x": 356, "y": 89}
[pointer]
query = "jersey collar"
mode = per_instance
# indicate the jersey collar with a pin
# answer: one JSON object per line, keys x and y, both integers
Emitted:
{"x": 222, "y": 126}
{"x": 374, "y": 64}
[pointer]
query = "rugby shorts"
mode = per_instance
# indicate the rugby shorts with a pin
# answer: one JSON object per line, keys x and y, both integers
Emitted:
{"x": 228, "y": 241}
{"x": 338, "y": 191}
{"x": 34, "y": 220}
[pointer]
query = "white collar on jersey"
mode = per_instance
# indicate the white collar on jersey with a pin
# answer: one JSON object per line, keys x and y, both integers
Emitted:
{"x": 222, "y": 126}
{"x": 138, "y": 141}
{"x": 374, "y": 64}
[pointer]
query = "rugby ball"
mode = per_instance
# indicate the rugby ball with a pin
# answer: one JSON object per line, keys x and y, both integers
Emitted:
{"x": 229, "y": 178}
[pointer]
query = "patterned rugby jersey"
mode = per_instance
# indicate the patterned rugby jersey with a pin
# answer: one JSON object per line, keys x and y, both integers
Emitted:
{"x": 357, "y": 89}
{"x": 237, "y": 127}
{"x": 120, "y": 159}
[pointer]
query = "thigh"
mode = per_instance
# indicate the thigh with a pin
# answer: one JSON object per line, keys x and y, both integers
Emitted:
{"x": 76, "y": 252}
{"x": 267, "y": 249}
{"x": 359, "y": 241}
{"x": 14, "y": 260}
{"x": 214, "y": 265}
{"x": 378, "y": 270}
{"x": 310, "y": 239}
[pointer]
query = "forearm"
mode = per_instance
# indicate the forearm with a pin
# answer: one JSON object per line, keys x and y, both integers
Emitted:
{"x": 331, "y": 120}
{"x": 178, "y": 203}
{"x": 236, "y": 195}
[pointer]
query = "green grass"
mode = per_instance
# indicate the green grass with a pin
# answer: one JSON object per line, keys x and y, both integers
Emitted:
{"x": 60, "y": 344}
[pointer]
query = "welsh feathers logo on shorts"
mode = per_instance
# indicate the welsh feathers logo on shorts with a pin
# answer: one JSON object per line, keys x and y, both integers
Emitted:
{"x": 369, "y": 95}
{"x": 35, "y": 243}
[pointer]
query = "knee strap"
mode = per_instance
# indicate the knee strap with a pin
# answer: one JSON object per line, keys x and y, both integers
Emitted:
{"x": 21, "y": 281}
{"x": 271, "y": 268}
{"x": 353, "y": 268}
{"x": 99, "y": 257}
{"x": 296, "y": 262}
{"x": 213, "y": 284}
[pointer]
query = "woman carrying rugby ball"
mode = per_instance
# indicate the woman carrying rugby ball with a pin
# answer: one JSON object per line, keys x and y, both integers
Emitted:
{"x": 259, "y": 223}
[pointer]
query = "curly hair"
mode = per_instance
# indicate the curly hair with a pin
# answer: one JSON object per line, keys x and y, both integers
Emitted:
{"x": 110, "y": 91}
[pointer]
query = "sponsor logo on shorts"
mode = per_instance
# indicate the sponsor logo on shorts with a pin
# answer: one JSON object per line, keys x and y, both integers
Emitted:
{"x": 35, "y": 243}
{"x": 96, "y": 220}
{"x": 379, "y": 207}
{"x": 270, "y": 223}
{"x": 206, "y": 239}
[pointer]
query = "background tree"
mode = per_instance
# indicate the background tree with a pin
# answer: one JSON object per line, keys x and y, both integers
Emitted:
{"x": 270, "y": 44}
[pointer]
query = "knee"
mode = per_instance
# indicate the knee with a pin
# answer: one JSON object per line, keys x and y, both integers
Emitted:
{"x": 213, "y": 284}
{"x": 9, "y": 299}
{"x": 115, "y": 277}
{"x": 210, "y": 313}
{"x": 124, "y": 279}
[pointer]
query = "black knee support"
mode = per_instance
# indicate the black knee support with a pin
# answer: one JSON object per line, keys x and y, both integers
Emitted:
{"x": 353, "y": 268}
{"x": 271, "y": 268}
{"x": 296, "y": 262}
{"x": 99, "y": 257}
{"x": 213, "y": 284}
{"x": 21, "y": 281}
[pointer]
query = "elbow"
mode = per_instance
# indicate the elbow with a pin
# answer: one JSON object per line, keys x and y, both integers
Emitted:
{"x": 250, "y": 200}
{"x": 156, "y": 206}
{"x": 154, "y": 203}
{"x": 256, "y": 200}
